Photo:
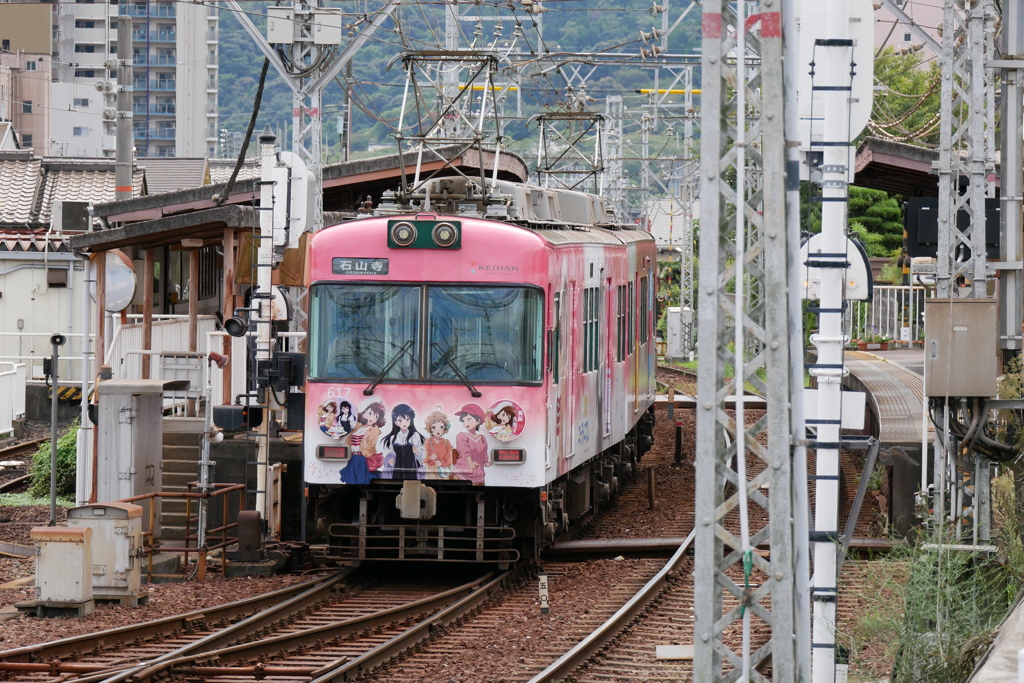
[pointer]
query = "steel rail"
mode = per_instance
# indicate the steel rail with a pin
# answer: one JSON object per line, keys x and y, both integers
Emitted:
{"x": 592, "y": 644}
{"x": 412, "y": 637}
{"x": 238, "y": 657}
{"x": 152, "y": 630}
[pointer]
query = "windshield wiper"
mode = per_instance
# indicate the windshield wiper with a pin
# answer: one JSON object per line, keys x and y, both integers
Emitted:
{"x": 368, "y": 391}
{"x": 446, "y": 357}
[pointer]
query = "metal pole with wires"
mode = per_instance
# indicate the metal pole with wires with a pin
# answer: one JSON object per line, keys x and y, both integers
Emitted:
{"x": 56, "y": 341}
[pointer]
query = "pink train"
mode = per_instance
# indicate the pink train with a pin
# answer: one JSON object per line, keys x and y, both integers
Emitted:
{"x": 480, "y": 374}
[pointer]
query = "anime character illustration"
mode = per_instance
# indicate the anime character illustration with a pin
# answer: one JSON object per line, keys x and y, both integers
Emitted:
{"x": 327, "y": 414}
{"x": 346, "y": 422}
{"x": 440, "y": 455}
{"x": 471, "y": 446}
{"x": 406, "y": 443}
{"x": 362, "y": 443}
{"x": 505, "y": 421}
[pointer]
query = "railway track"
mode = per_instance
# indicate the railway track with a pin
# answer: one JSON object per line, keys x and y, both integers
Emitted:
{"x": 105, "y": 651}
{"x": 352, "y": 636}
{"x": 328, "y": 629}
{"x": 12, "y": 479}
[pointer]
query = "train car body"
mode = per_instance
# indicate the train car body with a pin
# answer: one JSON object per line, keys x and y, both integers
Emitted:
{"x": 474, "y": 386}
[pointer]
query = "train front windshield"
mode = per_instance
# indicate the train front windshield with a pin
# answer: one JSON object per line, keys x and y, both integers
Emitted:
{"x": 425, "y": 333}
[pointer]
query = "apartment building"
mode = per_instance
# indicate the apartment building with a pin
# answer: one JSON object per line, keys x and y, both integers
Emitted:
{"x": 25, "y": 74}
{"x": 174, "y": 54}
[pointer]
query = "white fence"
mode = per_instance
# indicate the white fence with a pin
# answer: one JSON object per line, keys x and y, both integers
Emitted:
{"x": 12, "y": 395}
{"x": 895, "y": 312}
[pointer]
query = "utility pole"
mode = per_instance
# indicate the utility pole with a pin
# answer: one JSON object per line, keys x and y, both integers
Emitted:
{"x": 744, "y": 247}
{"x": 123, "y": 185}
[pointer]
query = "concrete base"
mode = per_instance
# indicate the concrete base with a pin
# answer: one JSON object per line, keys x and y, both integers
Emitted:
{"x": 264, "y": 568}
{"x": 125, "y": 600}
{"x": 57, "y": 609}
{"x": 1000, "y": 662}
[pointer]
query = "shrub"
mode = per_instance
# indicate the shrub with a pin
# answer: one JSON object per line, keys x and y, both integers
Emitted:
{"x": 67, "y": 449}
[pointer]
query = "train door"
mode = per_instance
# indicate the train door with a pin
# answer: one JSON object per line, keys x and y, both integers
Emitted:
{"x": 557, "y": 391}
{"x": 572, "y": 378}
{"x": 604, "y": 376}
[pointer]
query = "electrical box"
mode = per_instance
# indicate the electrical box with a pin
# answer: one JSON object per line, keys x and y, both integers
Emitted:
{"x": 280, "y": 25}
{"x": 63, "y": 562}
{"x": 679, "y": 331}
{"x": 131, "y": 434}
{"x": 961, "y": 347}
{"x": 116, "y": 546}
{"x": 327, "y": 26}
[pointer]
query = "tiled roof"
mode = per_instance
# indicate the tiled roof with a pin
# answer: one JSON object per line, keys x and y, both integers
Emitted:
{"x": 81, "y": 186}
{"x": 20, "y": 180}
{"x": 32, "y": 242}
{"x": 167, "y": 174}
{"x": 30, "y": 184}
{"x": 220, "y": 170}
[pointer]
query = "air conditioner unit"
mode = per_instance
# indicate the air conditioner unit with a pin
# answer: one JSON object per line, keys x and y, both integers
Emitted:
{"x": 68, "y": 215}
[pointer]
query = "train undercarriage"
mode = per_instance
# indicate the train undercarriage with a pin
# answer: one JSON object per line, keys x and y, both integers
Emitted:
{"x": 453, "y": 521}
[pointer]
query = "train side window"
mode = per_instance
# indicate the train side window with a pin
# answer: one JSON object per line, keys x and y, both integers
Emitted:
{"x": 591, "y": 310}
{"x": 644, "y": 312}
{"x": 631, "y": 318}
{"x": 620, "y": 323}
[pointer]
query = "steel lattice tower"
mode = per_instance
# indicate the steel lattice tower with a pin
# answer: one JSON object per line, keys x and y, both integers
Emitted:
{"x": 743, "y": 278}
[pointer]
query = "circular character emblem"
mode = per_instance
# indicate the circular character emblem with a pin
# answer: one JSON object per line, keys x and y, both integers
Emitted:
{"x": 505, "y": 420}
{"x": 336, "y": 418}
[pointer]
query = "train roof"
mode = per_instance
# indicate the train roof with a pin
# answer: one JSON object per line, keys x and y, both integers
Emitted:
{"x": 542, "y": 208}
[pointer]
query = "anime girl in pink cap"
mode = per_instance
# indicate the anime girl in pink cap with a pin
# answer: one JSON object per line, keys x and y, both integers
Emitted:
{"x": 471, "y": 445}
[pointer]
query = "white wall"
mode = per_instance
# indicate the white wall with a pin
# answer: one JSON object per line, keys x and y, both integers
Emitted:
{"x": 43, "y": 310}
{"x": 66, "y": 116}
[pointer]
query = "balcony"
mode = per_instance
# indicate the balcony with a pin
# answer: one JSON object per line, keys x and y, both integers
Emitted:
{"x": 153, "y": 110}
{"x": 155, "y": 60}
{"x": 154, "y": 134}
{"x": 163, "y": 86}
{"x": 148, "y": 11}
{"x": 154, "y": 36}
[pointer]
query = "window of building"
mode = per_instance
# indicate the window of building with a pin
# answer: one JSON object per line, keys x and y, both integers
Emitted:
{"x": 85, "y": 23}
{"x": 26, "y": 140}
{"x": 86, "y": 2}
{"x": 85, "y": 48}
{"x": 165, "y": 151}
{"x": 26, "y": 107}
{"x": 31, "y": 65}
{"x": 81, "y": 131}
{"x": 85, "y": 73}
{"x": 81, "y": 101}
{"x": 907, "y": 37}
{"x": 113, "y": 48}
{"x": 5, "y": 45}
{"x": 207, "y": 272}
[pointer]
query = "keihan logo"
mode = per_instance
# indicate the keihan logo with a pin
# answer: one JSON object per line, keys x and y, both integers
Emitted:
{"x": 491, "y": 268}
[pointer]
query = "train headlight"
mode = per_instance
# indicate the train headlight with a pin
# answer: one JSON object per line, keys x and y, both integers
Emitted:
{"x": 445, "y": 234}
{"x": 424, "y": 232}
{"x": 403, "y": 233}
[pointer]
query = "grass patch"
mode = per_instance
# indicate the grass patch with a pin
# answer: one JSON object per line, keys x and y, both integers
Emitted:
{"x": 18, "y": 500}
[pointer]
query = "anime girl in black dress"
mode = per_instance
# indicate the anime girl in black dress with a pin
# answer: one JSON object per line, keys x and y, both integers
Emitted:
{"x": 406, "y": 443}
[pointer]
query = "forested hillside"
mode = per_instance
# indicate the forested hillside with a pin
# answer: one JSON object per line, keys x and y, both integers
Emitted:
{"x": 569, "y": 28}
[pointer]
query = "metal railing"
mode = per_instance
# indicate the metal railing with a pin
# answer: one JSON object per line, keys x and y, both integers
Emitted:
{"x": 896, "y": 313}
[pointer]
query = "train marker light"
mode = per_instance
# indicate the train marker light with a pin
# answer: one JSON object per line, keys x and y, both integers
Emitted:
{"x": 403, "y": 233}
{"x": 509, "y": 455}
{"x": 332, "y": 452}
{"x": 445, "y": 234}
{"x": 421, "y": 233}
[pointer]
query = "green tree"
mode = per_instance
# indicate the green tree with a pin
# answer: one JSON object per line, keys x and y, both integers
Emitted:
{"x": 906, "y": 101}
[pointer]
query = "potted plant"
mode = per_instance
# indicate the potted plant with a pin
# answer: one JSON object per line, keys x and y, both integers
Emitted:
{"x": 876, "y": 342}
